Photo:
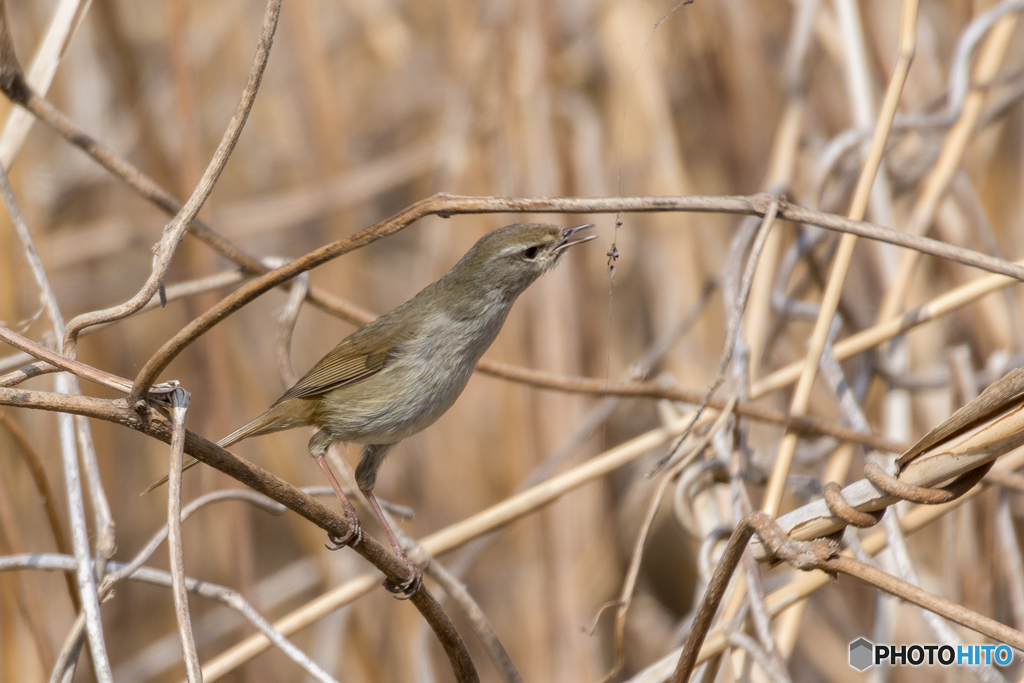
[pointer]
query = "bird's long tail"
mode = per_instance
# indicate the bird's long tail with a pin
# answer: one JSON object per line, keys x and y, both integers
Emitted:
{"x": 274, "y": 420}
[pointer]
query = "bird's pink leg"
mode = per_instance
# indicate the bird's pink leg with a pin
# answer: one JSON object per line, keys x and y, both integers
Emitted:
{"x": 355, "y": 531}
{"x": 415, "y": 582}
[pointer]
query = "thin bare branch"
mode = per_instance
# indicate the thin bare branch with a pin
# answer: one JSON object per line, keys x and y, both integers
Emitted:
{"x": 981, "y": 431}
{"x": 67, "y": 17}
{"x": 460, "y": 595}
{"x": 179, "y": 399}
{"x": 73, "y": 366}
{"x": 286, "y": 327}
{"x": 654, "y": 389}
{"x": 841, "y": 564}
{"x": 176, "y": 229}
{"x": 735, "y": 318}
{"x": 820, "y": 555}
{"x": 153, "y": 423}
{"x": 497, "y": 516}
{"x": 629, "y": 584}
{"x": 80, "y": 536}
{"x": 70, "y": 439}
{"x": 447, "y": 205}
{"x": 206, "y": 589}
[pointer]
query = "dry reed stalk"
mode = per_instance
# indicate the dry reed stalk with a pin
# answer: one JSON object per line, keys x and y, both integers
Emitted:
{"x": 974, "y": 436}
{"x": 370, "y": 107}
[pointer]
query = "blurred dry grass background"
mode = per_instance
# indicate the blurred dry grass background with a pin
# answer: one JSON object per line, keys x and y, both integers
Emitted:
{"x": 369, "y": 106}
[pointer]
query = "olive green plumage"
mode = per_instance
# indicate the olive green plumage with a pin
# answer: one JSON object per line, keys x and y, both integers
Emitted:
{"x": 398, "y": 374}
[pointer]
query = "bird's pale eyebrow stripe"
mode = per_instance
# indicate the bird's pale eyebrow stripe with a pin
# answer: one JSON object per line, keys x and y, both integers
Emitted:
{"x": 519, "y": 248}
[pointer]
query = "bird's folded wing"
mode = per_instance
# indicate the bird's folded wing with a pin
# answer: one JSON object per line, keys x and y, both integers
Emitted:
{"x": 349, "y": 362}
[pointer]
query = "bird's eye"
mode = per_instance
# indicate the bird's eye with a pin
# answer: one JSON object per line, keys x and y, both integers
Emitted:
{"x": 530, "y": 253}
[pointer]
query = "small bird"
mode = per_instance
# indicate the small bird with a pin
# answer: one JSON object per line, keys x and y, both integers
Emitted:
{"x": 397, "y": 375}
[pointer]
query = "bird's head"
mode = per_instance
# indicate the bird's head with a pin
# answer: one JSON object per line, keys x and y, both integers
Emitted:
{"x": 511, "y": 258}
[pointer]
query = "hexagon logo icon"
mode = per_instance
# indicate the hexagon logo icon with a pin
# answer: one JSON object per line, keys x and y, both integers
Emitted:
{"x": 861, "y": 654}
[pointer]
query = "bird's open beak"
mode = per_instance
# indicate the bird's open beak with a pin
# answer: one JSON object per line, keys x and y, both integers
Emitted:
{"x": 565, "y": 240}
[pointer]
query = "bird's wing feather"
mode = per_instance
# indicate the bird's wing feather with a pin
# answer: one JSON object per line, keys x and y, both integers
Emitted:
{"x": 350, "y": 361}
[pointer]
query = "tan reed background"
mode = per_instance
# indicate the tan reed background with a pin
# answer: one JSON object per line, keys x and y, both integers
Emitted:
{"x": 367, "y": 107}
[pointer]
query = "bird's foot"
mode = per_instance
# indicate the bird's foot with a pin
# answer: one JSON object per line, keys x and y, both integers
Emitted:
{"x": 409, "y": 587}
{"x": 353, "y": 537}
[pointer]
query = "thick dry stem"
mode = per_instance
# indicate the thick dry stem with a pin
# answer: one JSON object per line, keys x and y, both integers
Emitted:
{"x": 153, "y": 423}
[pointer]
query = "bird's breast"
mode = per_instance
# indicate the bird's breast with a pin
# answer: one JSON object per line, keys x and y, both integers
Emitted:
{"x": 425, "y": 377}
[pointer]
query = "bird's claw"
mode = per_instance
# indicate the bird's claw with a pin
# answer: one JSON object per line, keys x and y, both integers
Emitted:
{"x": 409, "y": 587}
{"x": 353, "y": 537}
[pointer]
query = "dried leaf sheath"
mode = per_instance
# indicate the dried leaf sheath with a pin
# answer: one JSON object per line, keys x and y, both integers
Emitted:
{"x": 989, "y": 426}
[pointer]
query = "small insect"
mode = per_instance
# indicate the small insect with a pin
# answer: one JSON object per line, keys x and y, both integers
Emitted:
{"x": 613, "y": 256}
